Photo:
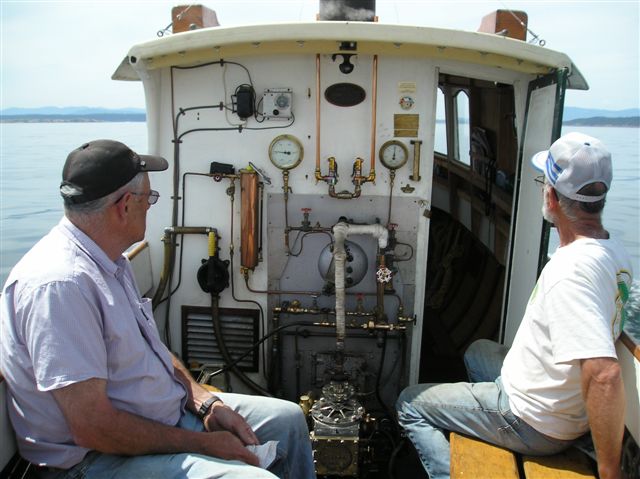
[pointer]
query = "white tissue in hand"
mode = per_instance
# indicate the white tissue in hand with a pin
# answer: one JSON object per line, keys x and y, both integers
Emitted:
{"x": 266, "y": 452}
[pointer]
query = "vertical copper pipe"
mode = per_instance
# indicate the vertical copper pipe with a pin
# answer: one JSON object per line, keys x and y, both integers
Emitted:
{"x": 249, "y": 219}
{"x": 374, "y": 107}
{"x": 318, "y": 175}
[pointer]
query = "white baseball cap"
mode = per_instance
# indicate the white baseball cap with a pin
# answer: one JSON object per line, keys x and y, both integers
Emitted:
{"x": 574, "y": 161}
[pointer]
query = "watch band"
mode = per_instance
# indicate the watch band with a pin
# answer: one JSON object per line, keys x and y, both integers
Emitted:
{"x": 206, "y": 405}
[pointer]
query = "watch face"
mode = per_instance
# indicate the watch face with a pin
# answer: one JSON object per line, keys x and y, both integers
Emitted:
{"x": 285, "y": 152}
{"x": 393, "y": 154}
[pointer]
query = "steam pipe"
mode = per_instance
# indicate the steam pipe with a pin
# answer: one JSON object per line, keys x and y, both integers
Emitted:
{"x": 380, "y": 296}
{"x": 340, "y": 232}
{"x": 374, "y": 107}
{"x": 358, "y": 179}
{"x": 168, "y": 238}
{"x": 318, "y": 173}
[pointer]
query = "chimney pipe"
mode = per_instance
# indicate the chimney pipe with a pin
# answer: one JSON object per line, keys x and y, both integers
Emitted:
{"x": 348, "y": 10}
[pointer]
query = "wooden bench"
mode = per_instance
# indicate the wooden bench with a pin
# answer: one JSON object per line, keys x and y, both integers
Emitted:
{"x": 475, "y": 459}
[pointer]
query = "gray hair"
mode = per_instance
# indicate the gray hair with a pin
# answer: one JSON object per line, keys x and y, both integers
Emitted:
{"x": 574, "y": 210}
{"x": 94, "y": 209}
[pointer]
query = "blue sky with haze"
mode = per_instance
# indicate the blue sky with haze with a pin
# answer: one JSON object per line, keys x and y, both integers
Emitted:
{"x": 62, "y": 53}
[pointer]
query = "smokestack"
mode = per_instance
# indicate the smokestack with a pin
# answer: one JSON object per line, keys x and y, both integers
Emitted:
{"x": 348, "y": 10}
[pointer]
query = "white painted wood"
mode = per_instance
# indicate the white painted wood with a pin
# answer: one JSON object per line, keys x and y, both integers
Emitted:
{"x": 526, "y": 241}
{"x": 631, "y": 377}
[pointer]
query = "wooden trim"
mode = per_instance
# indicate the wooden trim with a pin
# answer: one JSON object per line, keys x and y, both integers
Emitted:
{"x": 137, "y": 250}
{"x": 631, "y": 345}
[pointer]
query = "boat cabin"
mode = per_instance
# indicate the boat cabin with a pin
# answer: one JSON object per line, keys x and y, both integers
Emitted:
{"x": 349, "y": 204}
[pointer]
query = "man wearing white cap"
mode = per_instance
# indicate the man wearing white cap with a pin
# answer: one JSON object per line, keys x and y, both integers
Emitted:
{"x": 561, "y": 376}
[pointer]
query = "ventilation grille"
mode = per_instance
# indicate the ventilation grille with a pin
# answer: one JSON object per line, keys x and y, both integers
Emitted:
{"x": 239, "y": 330}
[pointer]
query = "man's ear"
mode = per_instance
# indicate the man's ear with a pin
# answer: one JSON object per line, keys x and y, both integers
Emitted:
{"x": 122, "y": 206}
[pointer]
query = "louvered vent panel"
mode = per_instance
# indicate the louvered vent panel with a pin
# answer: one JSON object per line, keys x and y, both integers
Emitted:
{"x": 239, "y": 330}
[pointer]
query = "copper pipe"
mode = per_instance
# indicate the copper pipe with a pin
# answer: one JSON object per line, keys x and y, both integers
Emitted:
{"x": 374, "y": 107}
{"x": 318, "y": 174}
{"x": 276, "y": 291}
{"x": 317, "y": 312}
{"x": 249, "y": 219}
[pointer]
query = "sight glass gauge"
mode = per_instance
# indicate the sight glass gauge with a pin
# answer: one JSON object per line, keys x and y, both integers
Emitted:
{"x": 393, "y": 154}
{"x": 285, "y": 152}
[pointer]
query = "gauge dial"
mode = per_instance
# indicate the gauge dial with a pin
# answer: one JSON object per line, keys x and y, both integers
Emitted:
{"x": 393, "y": 154}
{"x": 285, "y": 151}
{"x": 282, "y": 101}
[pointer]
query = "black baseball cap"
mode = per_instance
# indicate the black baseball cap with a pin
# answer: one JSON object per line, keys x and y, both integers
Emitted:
{"x": 100, "y": 167}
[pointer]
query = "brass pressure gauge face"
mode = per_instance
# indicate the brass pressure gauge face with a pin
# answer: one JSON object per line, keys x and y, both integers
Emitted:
{"x": 285, "y": 151}
{"x": 393, "y": 154}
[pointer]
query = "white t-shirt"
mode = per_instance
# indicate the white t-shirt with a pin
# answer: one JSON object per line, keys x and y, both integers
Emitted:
{"x": 574, "y": 312}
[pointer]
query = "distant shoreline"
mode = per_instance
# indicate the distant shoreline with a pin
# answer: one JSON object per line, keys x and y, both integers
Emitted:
{"x": 628, "y": 122}
{"x": 92, "y": 118}
{"x": 625, "y": 122}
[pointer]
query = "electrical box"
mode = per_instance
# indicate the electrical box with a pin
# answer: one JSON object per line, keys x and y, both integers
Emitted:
{"x": 277, "y": 104}
{"x": 244, "y": 101}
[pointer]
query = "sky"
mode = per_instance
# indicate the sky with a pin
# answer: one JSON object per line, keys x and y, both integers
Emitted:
{"x": 63, "y": 53}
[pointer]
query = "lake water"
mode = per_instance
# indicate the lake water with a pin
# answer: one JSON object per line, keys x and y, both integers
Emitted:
{"x": 32, "y": 156}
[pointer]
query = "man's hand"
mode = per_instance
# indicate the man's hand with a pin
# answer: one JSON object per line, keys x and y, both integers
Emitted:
{"x": 222, "y": 418}
{"x": 95, "y": 424}
{"x": 226, "y": 445}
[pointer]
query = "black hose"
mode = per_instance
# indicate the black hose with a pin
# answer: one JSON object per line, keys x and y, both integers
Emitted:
{"x": 257, "y": 344}
{"x": 217, "y": 330}
{"x": 385, "y": 408}
{"x": 392, "y": 459}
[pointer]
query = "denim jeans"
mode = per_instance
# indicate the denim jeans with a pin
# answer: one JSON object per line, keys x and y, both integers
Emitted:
{"x": 479, "y": 409}
{"x": 271, "y": 419}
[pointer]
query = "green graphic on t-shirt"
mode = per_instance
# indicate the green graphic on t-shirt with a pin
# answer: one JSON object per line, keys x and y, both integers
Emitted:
{"x": 623, "y": 296}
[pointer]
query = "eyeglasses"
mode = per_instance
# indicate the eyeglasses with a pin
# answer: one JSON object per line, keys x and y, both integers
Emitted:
{"x": 540, "y": 180}
{"x": 152, "y": 196}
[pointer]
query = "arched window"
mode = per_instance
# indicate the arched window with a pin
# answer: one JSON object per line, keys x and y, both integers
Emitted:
{"x": 440, "y": 140}
{"x": 462, "y": 130}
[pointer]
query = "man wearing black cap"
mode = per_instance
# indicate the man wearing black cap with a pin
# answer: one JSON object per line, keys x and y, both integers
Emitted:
{"x": 92, "y": 389}
{"x": 560, "y": 377}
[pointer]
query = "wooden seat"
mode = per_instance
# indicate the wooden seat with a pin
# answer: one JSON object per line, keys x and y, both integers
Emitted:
{"x": 569, "y": 464}
{"x": 473, "y": 458}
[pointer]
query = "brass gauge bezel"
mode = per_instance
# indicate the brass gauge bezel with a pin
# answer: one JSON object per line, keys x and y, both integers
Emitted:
{"x": 281, "y": 162}
{"x": 386, "y": 146}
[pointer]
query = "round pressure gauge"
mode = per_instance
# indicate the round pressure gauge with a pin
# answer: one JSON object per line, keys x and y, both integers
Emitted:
{"x": 282, "y": 101}
{"x": 285, "y": 151}
{"x": 393, "y": 154}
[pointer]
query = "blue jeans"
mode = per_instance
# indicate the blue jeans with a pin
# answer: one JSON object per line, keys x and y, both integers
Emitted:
{"x": 271, "y": 419}
{"x": 479, "y": 409}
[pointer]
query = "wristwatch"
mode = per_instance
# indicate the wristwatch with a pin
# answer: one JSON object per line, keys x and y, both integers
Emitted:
{"x": 206, "y": 405}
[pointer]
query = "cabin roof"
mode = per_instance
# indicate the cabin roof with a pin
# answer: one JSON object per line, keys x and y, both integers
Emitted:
{"x": 208, "y": 44}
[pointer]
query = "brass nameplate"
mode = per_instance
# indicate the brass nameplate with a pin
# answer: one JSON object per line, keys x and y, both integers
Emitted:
{"x": 405, "y": 125}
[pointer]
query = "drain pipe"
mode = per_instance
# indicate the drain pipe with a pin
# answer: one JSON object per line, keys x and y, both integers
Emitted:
{"x": 340, "y": 232}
